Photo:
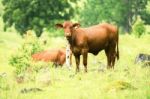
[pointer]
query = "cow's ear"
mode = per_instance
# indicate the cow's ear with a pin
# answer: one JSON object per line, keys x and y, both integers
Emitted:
{"x": 58, "y": 25}
{"x": 76, "y": 25}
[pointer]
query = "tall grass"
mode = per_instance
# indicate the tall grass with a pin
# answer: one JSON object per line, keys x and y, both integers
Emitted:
{"x": 65, "y": 84}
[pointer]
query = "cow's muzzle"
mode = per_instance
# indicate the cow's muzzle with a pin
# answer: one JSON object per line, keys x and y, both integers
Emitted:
{"x": 68, "y": 38}
{"x": 68, "y": 35}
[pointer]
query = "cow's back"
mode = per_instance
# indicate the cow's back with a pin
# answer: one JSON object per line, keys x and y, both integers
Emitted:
{"x": 96, "y": 38}
{"x": 113, "y": 30}
{"x": 49, "y": 55}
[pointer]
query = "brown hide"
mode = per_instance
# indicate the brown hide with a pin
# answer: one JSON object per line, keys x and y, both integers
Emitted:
{"x": 92, "y": 40}
{"x": 57, "y": 56}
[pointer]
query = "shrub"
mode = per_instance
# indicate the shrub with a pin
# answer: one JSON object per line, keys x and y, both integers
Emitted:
{"x": 138, "y": 27}
{"x": 21, "y": 59}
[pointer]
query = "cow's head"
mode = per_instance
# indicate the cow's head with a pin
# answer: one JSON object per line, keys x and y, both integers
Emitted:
{"x": 68, "y": 27}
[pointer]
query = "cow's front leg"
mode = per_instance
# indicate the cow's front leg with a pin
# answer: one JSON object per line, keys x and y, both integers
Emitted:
{"x": 85, "y": 54}
{"x": 77, "y": 58}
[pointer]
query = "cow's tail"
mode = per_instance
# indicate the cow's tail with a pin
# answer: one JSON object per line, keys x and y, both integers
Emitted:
{"x": 117, "y": 44}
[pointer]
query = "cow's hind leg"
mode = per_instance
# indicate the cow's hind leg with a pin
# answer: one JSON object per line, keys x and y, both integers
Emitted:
{"x": 107, "y": 52}
{"x": 113, "y": 54}
{"x": 113, "y": 58}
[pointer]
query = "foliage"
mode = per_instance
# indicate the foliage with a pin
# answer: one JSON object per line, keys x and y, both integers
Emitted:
{"x": 145, "y": 14}
{"x": 55, "y": 33}
{"x": 36, "y": 66}
{"x": 121, "y": 12}
{"x": 35, "y": 14}
{"x": 22, "y": 58}
{"x": 138, "y": 27}
{"x": 1, "y": 8}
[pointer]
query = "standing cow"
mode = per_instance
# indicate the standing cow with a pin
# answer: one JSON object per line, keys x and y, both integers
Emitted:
{"x": 92, "y": 40}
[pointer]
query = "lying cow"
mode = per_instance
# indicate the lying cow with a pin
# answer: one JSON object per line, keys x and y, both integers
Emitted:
{"x": 57, "y": 56}
{"x": 92, "y": 40}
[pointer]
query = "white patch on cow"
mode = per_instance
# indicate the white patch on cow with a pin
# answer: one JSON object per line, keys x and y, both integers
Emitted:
{"x": 68, "y": 62}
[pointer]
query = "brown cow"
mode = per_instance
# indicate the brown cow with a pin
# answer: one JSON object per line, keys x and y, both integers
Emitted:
{"x": 92, "y": 39}
{"x": 57, "y": 56}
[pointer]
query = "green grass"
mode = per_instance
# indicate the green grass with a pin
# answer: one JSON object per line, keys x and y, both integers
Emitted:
{"x": 9, "y": 42}
{"x": 65, "y": 84}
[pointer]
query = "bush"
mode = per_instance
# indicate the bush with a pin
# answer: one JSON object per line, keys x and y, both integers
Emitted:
{"x": 138, "y": 27}
{"x": 21, "y": 59}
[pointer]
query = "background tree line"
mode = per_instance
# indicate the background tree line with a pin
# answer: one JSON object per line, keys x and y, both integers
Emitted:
{"x": 43, "y": 14}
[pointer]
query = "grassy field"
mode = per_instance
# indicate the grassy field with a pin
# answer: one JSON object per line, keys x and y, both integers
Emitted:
{"x": 126, "y": 81}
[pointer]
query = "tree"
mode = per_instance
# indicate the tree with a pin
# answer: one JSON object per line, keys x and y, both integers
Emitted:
{"x": 1, "y": 8}
{"x": 134, "y": 8}
{"x": 35, "y": 14}
{"x": 138, "y": 27}
{"x": 122, "y": 12}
